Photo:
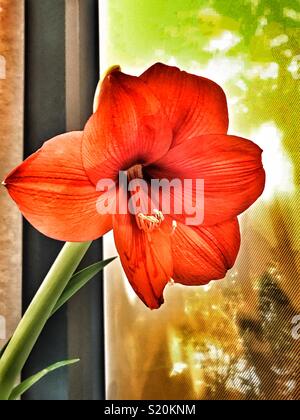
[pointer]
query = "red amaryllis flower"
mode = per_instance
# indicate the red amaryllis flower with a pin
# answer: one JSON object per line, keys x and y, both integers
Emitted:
{"x": 164, "y": 124}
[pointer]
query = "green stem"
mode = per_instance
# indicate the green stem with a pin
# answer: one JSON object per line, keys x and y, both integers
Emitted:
{"x": 36, "y": 316}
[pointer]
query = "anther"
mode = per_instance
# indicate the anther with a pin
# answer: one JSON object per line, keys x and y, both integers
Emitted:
{"x": 151, "y": 222}
{"x": 174, "y": 226}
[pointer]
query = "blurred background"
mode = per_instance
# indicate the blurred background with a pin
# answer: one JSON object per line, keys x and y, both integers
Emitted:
{"x": 233, "y": 339}
{"x": 11, "y": 153}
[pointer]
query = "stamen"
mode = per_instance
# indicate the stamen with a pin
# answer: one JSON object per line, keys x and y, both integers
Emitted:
{"x": 151, "y": 222}
{"x": 159, "y": 215}
{"x": 174, "y": 226}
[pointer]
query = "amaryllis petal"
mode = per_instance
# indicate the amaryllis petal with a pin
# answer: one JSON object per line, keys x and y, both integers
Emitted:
{"x": 202, "y": 254}
{"x": 193, "y": 104}
{"x": 129, "y": 127}
{"x": 146, "y": 258}
{"x": 54, "y": 193}
{"x": 232, "y": 171}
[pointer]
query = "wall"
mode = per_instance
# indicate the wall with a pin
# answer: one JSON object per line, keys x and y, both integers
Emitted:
{"x": 11, "y": 151}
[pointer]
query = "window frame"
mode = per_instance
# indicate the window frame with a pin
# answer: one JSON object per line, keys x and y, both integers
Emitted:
{"x": 61, "y": 73}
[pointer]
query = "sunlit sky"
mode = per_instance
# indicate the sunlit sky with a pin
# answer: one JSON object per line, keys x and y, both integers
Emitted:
{"x": 278, "y": 166}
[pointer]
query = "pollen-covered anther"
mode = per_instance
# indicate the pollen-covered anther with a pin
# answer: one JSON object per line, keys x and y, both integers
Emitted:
{"x": 174, "y": 227}
{"x": 159, "y": 215}
{"x": 151, "y": 222}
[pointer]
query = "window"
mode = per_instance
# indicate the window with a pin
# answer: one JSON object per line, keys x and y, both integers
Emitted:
{"x": 62, "y": 71}
{"x": 233, "y": 338}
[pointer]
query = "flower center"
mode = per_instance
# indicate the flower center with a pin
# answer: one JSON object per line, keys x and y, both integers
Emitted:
{"x": 146, "y": 222}
{"x": 151, "y": 222}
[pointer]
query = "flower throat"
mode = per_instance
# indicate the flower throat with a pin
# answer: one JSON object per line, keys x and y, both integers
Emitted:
{"x": 146, "y": 222}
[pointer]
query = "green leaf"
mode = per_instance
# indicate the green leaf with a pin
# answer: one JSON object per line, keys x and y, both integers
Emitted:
{"x": 4, "y": 348}
{"x": 37, "y": 314}
{"x": 76, "y": 283}
{"x": 28, "y": 383}
{"x": 79, "y": 280}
